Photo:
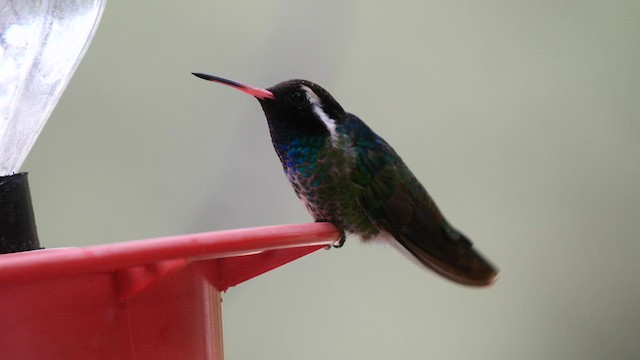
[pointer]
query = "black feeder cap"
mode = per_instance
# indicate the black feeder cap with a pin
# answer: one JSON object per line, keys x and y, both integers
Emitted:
{"x": 17, "y": 223}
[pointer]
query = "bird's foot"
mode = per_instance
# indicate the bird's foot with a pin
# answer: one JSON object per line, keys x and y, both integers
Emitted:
{"x": 338, "y": 243}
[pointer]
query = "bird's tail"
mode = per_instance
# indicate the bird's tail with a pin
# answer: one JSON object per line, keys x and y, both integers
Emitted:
{"x": 455, "y": 259}
{"x": 421, "y": 229}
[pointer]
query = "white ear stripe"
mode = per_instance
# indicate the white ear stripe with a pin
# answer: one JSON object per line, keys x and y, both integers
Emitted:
{"x": 316, "y": 104}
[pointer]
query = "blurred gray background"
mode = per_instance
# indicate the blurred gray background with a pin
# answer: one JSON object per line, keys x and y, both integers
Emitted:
{"x": 520, "y": 118}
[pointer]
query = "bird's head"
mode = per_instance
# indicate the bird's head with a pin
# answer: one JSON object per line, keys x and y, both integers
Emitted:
{"x": 293, "y": 107}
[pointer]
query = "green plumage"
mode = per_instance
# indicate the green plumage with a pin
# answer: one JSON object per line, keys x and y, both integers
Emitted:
{"x": 347, "y": 175}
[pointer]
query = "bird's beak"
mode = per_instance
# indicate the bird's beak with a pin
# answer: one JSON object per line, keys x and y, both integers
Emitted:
{"x": 261, "y": 94}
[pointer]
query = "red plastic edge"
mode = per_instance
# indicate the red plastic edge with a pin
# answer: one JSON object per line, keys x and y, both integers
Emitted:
{"x": 51, "y": 263}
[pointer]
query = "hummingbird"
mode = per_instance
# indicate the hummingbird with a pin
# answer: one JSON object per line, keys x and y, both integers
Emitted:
{"x": 347, "y": 175}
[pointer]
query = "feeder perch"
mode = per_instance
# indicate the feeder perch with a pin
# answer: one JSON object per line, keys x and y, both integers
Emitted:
{"x": 145, "y": 299}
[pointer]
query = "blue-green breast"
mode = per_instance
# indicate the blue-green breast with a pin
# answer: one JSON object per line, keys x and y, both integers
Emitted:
{"x": 321, "y": 171}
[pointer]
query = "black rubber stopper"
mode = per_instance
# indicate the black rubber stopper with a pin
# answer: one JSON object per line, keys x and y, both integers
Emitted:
{"x": 17, "y": 223}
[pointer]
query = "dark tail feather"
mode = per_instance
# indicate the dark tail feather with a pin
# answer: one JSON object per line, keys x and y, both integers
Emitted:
{"x": 454, "y": 259}
{"x": 420, "y": 228}
{"x": 404, "y": 209}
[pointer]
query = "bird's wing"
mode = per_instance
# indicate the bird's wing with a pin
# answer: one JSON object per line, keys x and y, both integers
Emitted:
{"x": 397, "y": 203}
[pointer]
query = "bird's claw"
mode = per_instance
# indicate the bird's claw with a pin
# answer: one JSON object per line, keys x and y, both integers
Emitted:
{"x": 338, "y": 244}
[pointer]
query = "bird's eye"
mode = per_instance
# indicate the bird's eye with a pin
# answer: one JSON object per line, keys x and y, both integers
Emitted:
{"x": 297, "y": 98}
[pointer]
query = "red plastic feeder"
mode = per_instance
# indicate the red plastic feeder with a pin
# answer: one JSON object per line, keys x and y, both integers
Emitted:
{"x": 146, "y": 299}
